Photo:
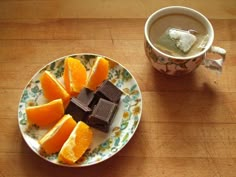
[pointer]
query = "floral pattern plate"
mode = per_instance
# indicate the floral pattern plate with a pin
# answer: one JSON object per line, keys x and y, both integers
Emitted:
{"x": 104, "y": 145}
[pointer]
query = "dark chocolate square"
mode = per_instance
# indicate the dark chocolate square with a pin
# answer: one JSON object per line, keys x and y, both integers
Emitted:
{"x": 78, "y": 110}
{"x": 102, "y": 115}
{"x": 87, "y": 97}
{"x": 109, "y": 91}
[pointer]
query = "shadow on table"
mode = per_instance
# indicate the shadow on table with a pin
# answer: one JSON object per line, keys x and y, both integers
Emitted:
{"x": 187, "y": 98}
{"x": 186, "y": 106}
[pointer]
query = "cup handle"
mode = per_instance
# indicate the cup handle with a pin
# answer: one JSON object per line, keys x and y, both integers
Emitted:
{"x": 215, "y": 64}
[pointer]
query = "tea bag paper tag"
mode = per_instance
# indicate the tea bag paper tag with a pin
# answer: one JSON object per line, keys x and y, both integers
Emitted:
{"x": 184, "y": 39}
{"x": 217, "y": 64}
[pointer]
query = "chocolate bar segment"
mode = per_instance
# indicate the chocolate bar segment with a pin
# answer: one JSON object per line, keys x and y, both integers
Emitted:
{"x": 102, "y": 115}
{"x": 78, "y": 110}
{"x": 109, "y": 91}
{"x": 87, "y": 97}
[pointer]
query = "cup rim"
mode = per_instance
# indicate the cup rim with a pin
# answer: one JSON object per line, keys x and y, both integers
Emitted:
{"x": 168, "y": 8}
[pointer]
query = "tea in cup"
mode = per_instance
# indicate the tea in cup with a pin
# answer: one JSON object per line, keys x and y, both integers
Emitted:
{"x": 177, "y": 40}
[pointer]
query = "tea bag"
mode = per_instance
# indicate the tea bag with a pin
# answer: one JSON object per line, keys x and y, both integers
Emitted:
{"x": 176, "y": 41}
{"x": 184, "y": 40}
{"x": 166, "y": 44}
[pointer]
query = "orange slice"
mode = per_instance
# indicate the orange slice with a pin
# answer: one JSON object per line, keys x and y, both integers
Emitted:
{"x": 75, "y": 75}
{"x": 78, "y": 142}
{"x": 98, "y": 73}
{"x": 45, "y": 114}
{"x": 53, "y": 89}
{"x": 57, "y": 136}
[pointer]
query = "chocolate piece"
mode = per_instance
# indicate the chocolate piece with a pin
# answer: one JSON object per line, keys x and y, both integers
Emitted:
{"x": 87, "y": 97}
{"x": 102, "y": 115}
{"x": 109, "y": 91}
{"x": 77, "y": 110}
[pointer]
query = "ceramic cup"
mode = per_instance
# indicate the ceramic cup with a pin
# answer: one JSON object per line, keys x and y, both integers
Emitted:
{"x": 176, "y": 66}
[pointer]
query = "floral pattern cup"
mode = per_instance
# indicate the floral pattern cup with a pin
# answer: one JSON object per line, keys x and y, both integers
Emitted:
{"x": 177, "y": 66}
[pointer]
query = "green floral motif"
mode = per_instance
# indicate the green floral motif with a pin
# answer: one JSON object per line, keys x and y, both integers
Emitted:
{"x": 56, "y": 68}
{"x": 25, "y": 95}
{"x": 32, "y": 92}
{"x": 88, "y": 61}
{"x": 52, "y": 157}
{"x": 52, "y": 65}
{"x": 22, "y": 114}
{"x": 35, "y": 89}
{"x": 126, "y": 75}
{"x": 130, "y": 110}
{"x": 119, "y": 76}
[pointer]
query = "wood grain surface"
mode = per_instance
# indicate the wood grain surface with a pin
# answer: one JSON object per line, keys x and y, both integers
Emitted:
{"x": 188, "y": 124}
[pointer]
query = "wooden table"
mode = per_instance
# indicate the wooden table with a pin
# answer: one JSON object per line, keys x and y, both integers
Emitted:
{"x": 188, "y": 125}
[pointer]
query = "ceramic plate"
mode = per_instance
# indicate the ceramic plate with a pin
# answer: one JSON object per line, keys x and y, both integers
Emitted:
{"x": 104, "y": 145}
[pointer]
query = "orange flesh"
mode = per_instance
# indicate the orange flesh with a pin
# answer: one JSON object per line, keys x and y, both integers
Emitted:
{"x": 98, "y": 73}
{"x": 75, "y": 75}
{"x": 56, "y": 137}
{"x": 45, "y": 114}
{"x": 76, "y": 145}
{"x": 53, "y": 89}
